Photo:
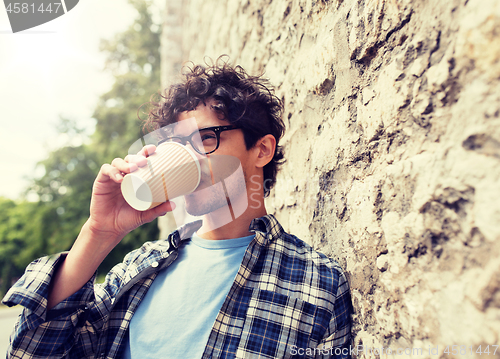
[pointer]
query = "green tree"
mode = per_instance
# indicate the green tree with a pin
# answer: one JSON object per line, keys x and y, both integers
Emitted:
{"x": 31, "y": 229}
{"x": 20, "y": 242}
{"x": 64, "y": 191}
{"x": 134, "y": 60}
{"x": 10, "y": 242}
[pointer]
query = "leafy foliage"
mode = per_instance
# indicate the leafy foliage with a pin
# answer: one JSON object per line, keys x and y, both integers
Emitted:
{"x": 134, "y": 59}
{"x": 32, "y": 229}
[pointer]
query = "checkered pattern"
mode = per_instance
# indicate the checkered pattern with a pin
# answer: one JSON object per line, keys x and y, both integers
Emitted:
{"x": 287, "y": 301}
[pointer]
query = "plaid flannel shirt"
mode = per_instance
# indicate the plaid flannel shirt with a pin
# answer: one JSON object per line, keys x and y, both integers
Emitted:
{"x": 287, "y": 301}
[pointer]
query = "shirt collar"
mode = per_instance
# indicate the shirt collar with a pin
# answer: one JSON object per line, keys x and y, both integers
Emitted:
{"x": 266, "y": 228}
{"x": 183, "y": 233}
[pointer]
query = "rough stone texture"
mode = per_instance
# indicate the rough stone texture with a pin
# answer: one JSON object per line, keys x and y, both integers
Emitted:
{"x": 171, "y": 41}
{"x": 393, "y": 147}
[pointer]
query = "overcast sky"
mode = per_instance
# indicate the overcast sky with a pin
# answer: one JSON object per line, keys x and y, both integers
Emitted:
{"x": 51, "y": 70}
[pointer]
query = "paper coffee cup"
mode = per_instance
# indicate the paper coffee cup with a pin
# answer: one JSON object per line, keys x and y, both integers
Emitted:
{"x": 172, "y": 171}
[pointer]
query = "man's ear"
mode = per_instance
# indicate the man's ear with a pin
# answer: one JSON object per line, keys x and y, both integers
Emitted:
{"x": 265, "y": 147}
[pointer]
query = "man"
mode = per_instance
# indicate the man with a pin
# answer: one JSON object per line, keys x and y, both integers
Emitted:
{"x": 214, "y": 289}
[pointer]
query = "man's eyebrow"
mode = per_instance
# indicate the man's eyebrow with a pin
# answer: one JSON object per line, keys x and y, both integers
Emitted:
{"x": 169, "y": 131}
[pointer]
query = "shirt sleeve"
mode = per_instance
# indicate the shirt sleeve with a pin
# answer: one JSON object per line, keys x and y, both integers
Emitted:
{"x": 337, "y": 340}
{"x": 49, "y": 334}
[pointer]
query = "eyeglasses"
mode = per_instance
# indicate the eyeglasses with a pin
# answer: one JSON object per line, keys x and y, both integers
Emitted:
{"x": 203, "y": 141}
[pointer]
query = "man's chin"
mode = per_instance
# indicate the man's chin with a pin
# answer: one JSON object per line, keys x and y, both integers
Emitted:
{"x": 199, "y": 205}
{"x": 192, "y": 207}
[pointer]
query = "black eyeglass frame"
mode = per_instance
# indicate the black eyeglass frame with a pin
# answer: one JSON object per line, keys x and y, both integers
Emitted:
{"x": 185, "y": 139}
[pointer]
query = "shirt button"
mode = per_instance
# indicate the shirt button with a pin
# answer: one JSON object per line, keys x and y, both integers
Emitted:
{"x": 154, "y": 265}
{"x": 112, "y": 301}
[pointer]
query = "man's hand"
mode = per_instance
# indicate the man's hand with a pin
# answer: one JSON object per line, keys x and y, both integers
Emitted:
{"x": 111, "y": 218}
{"x": 110, "y": 214}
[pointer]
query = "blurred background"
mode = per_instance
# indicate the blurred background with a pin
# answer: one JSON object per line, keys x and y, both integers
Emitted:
{"x": 69, "y": 94}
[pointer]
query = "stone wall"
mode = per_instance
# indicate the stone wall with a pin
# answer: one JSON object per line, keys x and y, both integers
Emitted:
{"x": 393, "y": 147}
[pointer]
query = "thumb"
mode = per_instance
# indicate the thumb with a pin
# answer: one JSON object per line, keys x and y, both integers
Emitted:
{"x": 161, "y": 210}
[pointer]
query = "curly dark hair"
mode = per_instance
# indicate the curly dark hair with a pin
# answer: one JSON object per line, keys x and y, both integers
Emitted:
{"x": 246, "y": 101}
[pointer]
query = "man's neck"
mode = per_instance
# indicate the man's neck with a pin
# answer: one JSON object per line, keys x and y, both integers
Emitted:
{"x": 218, "y": 226}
